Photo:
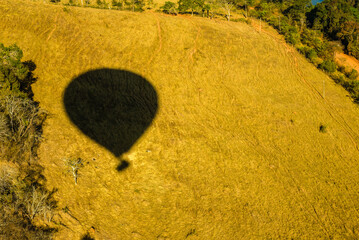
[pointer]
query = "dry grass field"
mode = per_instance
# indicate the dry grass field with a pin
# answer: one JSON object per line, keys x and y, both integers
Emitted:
{"x": 233, "y": 149}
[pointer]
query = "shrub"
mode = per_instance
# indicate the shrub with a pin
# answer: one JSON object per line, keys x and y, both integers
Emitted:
{"x": 328, "y": 66}
{"x": 316, "y": 61}
{"x": 291, "y": 35}
{"x": 16, "y": 77}
{"x": 74, "y": 165}
{"x": 169, "y": 8}
{"x": 22, "y": 118}
{"x": 353, "y": 87}
{"x": 353, "y": 49}
{"x": 338, "y": 77}
{"x": 353, "y": 74}
{"x": 311, "y": 54}
{"x": 20, "y": 203}
{"x": 322, "y": 128}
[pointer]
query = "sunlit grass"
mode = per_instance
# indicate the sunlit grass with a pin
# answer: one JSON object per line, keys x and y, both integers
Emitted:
{"x": 234, "y": 151}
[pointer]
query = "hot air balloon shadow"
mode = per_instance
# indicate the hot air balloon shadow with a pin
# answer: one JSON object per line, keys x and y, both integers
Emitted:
{"x": 112, "y": 107}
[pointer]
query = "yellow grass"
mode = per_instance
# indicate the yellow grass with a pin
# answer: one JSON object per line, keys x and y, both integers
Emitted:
{"x": 234, "y": 151}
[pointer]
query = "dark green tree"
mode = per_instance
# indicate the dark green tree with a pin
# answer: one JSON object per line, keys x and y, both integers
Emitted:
{"x": 297, "y": 12}
{"x": 192, "y": 5}
{"x": 16, "y": 77}
{"x": 169, "y": 8}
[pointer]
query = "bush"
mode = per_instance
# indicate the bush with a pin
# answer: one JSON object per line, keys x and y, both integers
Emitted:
{"x": 353, "y": 49}
{"x": 169, "y": 8}
{"x": 353, "y": 87}
{"x": 317, "y": 61}
{"x": 322, "y": 128}
{"x": 135, "y": 5}
{"x": 22, "y": 118}
{"x": 74, "y": 165}
{"x": 293, "y": 38}
{"x": 328, "y": 66}
{"x": 16, "y": 77}
{"x": 311, "y": 54}
{"x": 338, "y": 77}
{"x": 20, "y": 203}
{"x": 353, "y": 74}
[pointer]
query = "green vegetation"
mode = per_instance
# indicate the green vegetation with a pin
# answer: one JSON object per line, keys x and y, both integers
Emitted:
{"x": 23, "y": 196}
{"x": 328, "y": 66}
{"x": 169, "y": 8}
{"x": 311, "y": 28}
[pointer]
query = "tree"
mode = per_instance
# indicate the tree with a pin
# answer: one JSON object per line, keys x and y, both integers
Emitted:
{"x": 227, "y": 6}
{"x": 169, "y": 8}
{"x": 297, "y": 12}
{"x": 328, "y": 66}
{"x": 74, "y": 166}
{"x": 136, "y": 5}
{"x": 15, "y": 76}
{"x": 349, "y": 32}
{"x": 193, "y": 5}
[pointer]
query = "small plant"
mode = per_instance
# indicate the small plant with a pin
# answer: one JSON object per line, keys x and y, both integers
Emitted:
{"x": 322, "y": 128}
{"x": 74, "y": 166}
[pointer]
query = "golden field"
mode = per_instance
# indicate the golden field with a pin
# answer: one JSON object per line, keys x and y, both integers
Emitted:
{"x": 234, "y": 150}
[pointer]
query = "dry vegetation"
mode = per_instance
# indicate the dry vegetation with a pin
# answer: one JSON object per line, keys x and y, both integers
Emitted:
{"x": 235, "y": 150}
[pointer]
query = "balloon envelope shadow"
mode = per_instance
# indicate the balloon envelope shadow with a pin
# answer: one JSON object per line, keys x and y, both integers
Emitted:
{"x": 112, "y": 107}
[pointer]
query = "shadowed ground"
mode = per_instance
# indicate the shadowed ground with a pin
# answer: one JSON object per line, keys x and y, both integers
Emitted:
{"x": 112, "y": 107}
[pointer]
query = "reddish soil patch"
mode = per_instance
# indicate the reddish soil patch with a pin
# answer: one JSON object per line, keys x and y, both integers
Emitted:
{"x": 346, "y": 60}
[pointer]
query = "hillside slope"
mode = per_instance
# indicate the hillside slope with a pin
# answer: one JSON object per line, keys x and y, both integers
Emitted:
{"x": 234, "y": 150}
